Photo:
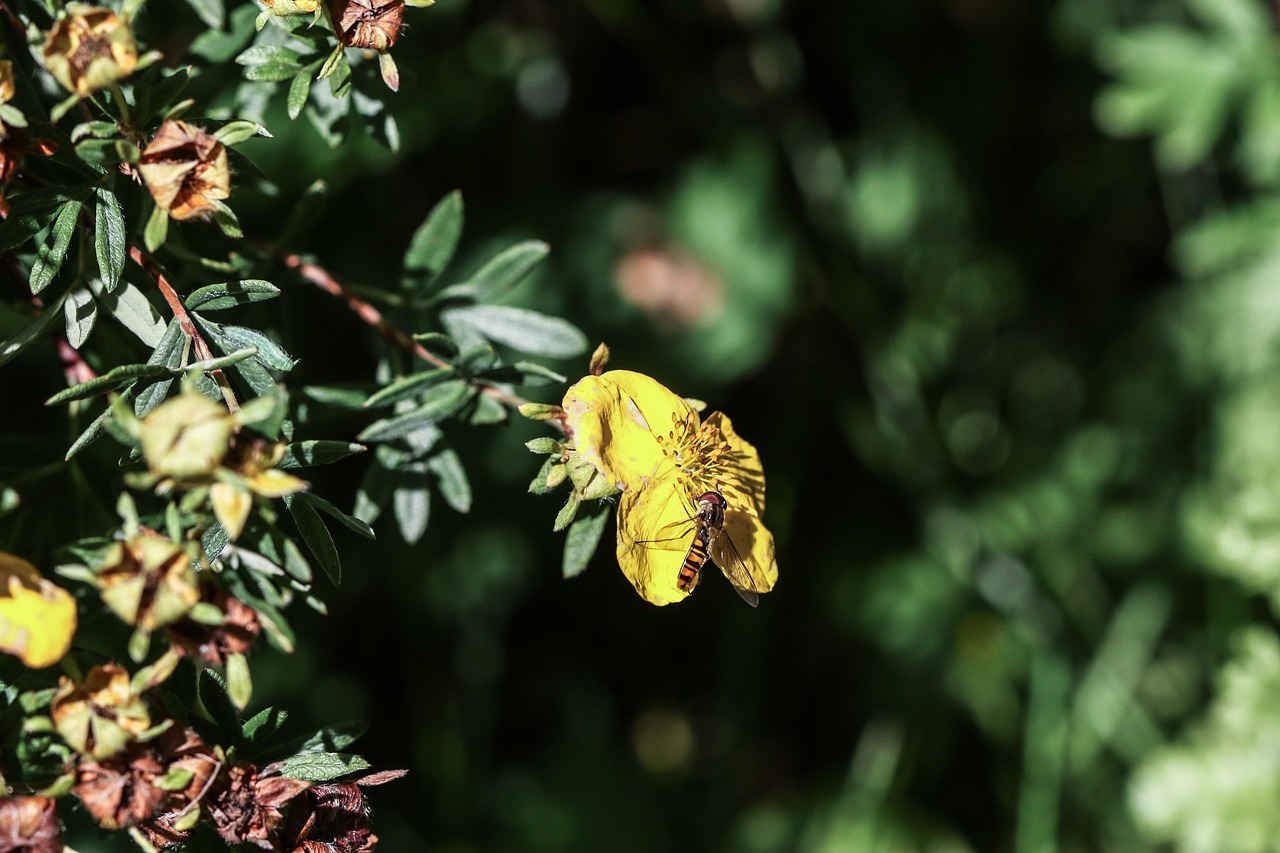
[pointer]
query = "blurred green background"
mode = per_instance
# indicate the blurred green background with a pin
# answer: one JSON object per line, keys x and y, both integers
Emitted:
{"x": 993, "y": 285}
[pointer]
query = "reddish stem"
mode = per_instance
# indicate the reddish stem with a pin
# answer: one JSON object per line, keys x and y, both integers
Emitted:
{"x": 184, "y": 322}
{"x": 321, "y": 278}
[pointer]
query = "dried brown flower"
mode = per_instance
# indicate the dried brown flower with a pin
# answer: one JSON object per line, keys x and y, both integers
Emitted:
{"x": 334, "y": 818}
{"x": 89, "y": 48}
{"x": 166, "y": 774}
{"x": 29, "y": 825}
{"x": 185, "y": 169}
{"x": 100, "y": 715}
{"x": 247, "y": 807}
{"x": 214, "y": 643}
{"x": 371, "y": 24}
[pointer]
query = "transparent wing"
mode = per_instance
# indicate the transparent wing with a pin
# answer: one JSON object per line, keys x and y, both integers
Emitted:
{"x": 726, "y": 555}
{"x": 744, "y": 552}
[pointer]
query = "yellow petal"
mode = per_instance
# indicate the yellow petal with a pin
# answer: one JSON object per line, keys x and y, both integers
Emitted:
{"x": 231, "y": 505}
{"x": 655, "y": 530}
{"x": 744, "y": 552}
{"x": 37, "y": 617}
{"x": 614, "y": 418}
{"x": 274, "y": 483}
{"x": 740, "y": 476}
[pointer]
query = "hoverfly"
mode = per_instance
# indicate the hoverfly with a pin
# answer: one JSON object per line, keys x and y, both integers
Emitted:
{"x": 709, "y": 533}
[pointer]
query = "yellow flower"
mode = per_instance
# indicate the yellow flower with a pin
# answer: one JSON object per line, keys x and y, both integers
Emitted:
{"x": 652, "y": 445}
{"x": 37, "y": 617}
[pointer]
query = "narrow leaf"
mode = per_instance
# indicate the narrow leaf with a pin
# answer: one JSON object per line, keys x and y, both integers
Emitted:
{"x": 81, "y": 313}
{"x": 135, "y": 312}
{"x": 502, "y": 272}
{"x": 302, "y": 454}
{"x": 409, "y": 386}
{"x": 54, "y": 251}
{"x": 169, "y": 353}
{"x": 114, "y": 378}
{"x": 353, "y": 524}
{"x": 435, "y": 241}
{"x": 411, "y": 502}
{"x": 443, "y": 400}
{"x": 522, "y": 330}
{"x": 582, "y": 539}
{"x": 270, "y": 353}
{"x": 109, "y": 237}
{"x": 299, "y": 91}
{"x": 317, "y": 537}
{"x": 217, "y": 297}
{"x": 454, "y": 486}
{"x": 32, "y": 332}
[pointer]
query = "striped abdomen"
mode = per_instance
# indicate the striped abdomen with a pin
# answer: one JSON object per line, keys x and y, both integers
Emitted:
{"x": 699, "y": 551}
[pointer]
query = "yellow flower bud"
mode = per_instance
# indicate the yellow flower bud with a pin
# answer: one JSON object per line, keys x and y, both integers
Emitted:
{"x": 101, "y": 715}
{"x": 186, "y": 436}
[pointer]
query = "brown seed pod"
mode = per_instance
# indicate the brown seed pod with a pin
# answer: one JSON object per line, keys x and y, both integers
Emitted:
{"x": 371, "y": 24}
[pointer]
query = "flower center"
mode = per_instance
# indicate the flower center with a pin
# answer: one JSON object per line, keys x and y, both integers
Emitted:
{"x": 699, "y": 455}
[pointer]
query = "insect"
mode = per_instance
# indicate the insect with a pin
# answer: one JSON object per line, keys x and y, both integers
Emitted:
{"x": 709, "y": 533}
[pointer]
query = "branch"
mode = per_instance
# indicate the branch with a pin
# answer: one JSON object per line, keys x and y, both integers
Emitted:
{"x": 321, "y": 278}
{"x": 184, "y": 322}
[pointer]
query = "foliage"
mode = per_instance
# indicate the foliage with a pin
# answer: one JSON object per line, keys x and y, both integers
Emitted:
{"x": 989, "y": 286}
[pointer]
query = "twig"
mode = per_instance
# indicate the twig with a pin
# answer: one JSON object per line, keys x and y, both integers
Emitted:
{"x": 184, "y": 322}
{"x": 321, "y": 278}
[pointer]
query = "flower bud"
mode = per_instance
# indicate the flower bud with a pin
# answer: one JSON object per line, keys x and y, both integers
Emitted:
{"x": 101, "y": 715}
{"x": 186, "y": 436}
{"x": 185, "y": 170}
{"x": 89, "y": 48}
{"x": 7, "y": 87}
{"x": 148, "y": 581}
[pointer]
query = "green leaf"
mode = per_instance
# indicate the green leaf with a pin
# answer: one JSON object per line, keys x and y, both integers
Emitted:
{"x": 217, "y": 297}
{"x": 441, "y": 401}
{"x": 454, "y": 485}
{"x": 305, "y": 213}
{"x": 113, "y": 378}
{"x": 321, "y": 766}
{"x": 81, "y": 312}
{"x": 264, "y": 724}
{"x": 538, "y": 485}
{"x": 299, "y": 91}
{"x": 567, "y": 513}
{"x": 502, "y": 272}
{"x": 220, "y": 46}
{"x": 333, "y": 738}
{"x": 582, "y": 539}
{"x": 409, "y": 386}
{"x": 163, "y": 93}
{"x": 32, "y": 332}
{"x": 210, "y": 11}
{"x": 521, "y": 329}
{"x": 211, "y": 692}
{"x": 109, "y": 237}
{"x": 411, "y": 503}
{"x": 270, "y": 353}
{"x": 168, "y": 353}
{"x": 355, "y": 525}
{"x": 214, "y": 540}
{"x": 265, "y": 53}
{"x": 303, "y": 454}
{"x": 134, "y": 311}
{"x": 51, "y": 254}
{"x": 317, "y": 536}
{"x": 342, "y": 398}
{"x": 270, "y": 72}
{"x": 91, "y": 433}
{"x": 235, "y": 132}
{"x": 156, "y": 230}
{"x": 435, "y": 241}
